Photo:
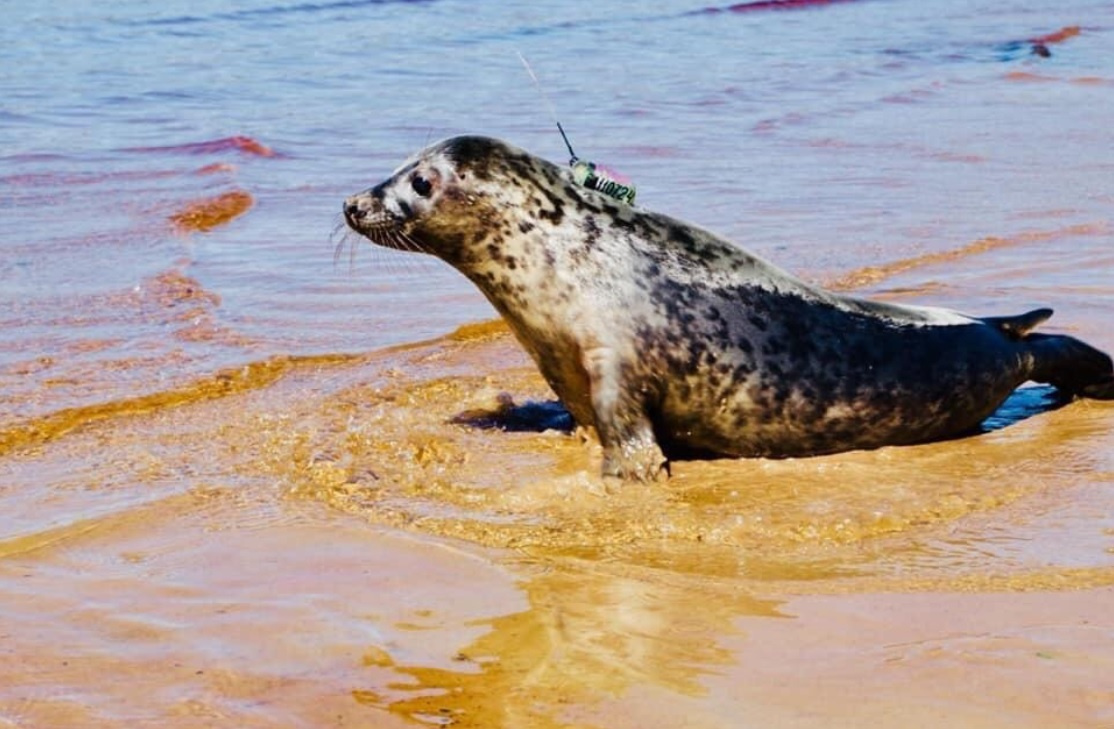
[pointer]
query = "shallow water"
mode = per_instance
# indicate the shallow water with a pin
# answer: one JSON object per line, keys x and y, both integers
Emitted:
{"x": 232, "y": 488}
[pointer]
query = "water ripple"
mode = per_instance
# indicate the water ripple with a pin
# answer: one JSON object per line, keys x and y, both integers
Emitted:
{"x": 266, "y": 12}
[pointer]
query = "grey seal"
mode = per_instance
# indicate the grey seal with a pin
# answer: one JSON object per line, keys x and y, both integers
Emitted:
{"x": 673, "y": 343}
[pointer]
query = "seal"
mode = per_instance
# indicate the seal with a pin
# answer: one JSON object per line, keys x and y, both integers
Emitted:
{"x": 673, "y": 343}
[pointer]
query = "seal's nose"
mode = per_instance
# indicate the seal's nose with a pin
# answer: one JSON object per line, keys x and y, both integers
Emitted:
{"x": 353, "y": 213}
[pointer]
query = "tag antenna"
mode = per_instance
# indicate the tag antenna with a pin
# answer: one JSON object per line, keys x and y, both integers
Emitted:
{"x": 548, "y": 105}
{"x": 572, "y": 154}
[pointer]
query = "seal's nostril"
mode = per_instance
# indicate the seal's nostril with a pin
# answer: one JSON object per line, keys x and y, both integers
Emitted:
{"x": 353, "y": 212}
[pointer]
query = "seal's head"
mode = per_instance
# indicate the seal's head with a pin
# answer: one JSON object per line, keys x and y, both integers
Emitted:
{"x": 447, "y": 201}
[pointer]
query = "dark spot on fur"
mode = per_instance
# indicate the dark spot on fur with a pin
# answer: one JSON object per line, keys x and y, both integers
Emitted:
{"x": 773, "y": 347}
{"x": 591, "y": 231}
{"x": 682, "y": 236}
{"x": 378, "y": 190}
{"x": 472, "y": 153}
{"x": 556, "y": 211}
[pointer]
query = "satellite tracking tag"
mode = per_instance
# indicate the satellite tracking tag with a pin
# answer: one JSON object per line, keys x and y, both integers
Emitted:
{"x": 585, "y": 173}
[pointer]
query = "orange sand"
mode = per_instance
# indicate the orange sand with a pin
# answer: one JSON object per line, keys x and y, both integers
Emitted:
{"x": 313, "y": 543}
{"x": 207, "y": 214}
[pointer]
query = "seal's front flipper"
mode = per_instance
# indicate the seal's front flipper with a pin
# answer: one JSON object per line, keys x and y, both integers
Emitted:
{"x": 1016, "y": 327}
{"x": 638, "y": 459}
{"x": 630, "y": 450}
{"x": 1073, "y": 367}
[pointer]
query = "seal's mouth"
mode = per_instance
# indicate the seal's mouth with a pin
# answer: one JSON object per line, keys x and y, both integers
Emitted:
{"x": 380, "y": 226}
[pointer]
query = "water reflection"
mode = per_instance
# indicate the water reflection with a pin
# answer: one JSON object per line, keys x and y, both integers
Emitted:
{"x": 591, "y": 632}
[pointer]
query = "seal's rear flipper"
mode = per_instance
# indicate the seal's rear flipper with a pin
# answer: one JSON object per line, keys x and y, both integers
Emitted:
{"x": 1100, "y": 390}
{"x": 1071, "y": 366}
{"x": 1016, "y": 327}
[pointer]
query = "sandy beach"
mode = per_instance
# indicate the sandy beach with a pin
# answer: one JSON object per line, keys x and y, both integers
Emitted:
{"x": 336, "y": 552}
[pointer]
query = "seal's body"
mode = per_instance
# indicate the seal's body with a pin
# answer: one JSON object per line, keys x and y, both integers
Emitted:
{"x": 672, "y": 342}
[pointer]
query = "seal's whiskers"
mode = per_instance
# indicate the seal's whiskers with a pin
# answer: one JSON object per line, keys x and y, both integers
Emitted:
{"x": 344, "y": 238}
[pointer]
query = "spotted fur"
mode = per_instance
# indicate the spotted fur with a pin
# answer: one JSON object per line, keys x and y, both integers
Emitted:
{"x": 672, "y": 342}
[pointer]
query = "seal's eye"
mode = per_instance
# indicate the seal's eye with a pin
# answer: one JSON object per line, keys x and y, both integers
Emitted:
{"x": 421, "y": 185}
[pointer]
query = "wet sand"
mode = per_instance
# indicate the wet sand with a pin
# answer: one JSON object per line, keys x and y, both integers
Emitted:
{"x": 321, "y": 545}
